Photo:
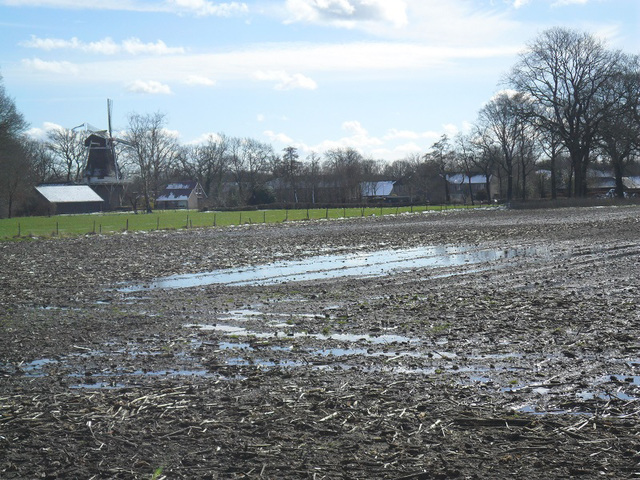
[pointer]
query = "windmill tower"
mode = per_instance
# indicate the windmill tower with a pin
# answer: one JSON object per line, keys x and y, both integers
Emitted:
{"x": 101, "y": 171}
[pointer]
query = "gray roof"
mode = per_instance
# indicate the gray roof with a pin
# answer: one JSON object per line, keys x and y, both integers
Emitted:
{"x": 376, "y": 189}
{"x": 173, "y": 196}
{"x": 631, "y": 182}
{"x": 68, "y": 193}
{"x": 459, "y": 179}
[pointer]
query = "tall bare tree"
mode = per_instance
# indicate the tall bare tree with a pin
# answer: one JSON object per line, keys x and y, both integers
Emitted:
{"x": 441, "y": 157}
{"x": 568, "y": 74}
{"x": 68, "y": 149}
{"x": 14, "y": 166}
{"x": 152, "y": 151}
{"x": 502, "y": 117}
{"x": 487, "y": 156}
{"x": 344, "y": 167}
{"x": 289, "y": 167}
{"x": 619, "y": 133}
{"x": 312, "y": 174}
{"x": 207, "y": 162}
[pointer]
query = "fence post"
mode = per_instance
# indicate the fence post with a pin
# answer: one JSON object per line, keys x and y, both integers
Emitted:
{"x": 158, "y": 223}
{"x": 18, "y": 228}
{"x": 127, "y": 227}
{"x": 327, "y": 214}
{"x": 307, "y": 214}
{"x": 57, "y": 230}
{"x": 240, "y": 222}
{"x": 100, "y": 229}
{"x": 264, "y": 217}
{"x": 94, "y": 226}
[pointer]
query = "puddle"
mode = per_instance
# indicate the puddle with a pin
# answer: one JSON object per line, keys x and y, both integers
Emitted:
{"x": 35, "y": 368}
{"x": 341, "y": 337}
{"x": 605, "y": 396}
{"x": 98, "y": 386}
{"x": 533, "y": 410}
{"x": 360, "y": 264}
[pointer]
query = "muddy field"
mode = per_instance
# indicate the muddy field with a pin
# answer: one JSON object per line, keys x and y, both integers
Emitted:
{"x": 485, "y": 344}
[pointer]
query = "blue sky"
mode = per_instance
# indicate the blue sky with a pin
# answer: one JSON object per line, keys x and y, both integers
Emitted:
{"x": 386, "y": 77}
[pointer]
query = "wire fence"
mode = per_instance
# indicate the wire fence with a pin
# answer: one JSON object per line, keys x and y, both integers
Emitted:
{"x": 104, "y": 223}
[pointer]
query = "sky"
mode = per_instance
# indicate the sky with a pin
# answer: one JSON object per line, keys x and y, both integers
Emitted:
{"x": 386, "y": 77}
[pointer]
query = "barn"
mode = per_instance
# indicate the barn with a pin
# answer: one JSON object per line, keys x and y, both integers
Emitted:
{"x": 65, "y": 199}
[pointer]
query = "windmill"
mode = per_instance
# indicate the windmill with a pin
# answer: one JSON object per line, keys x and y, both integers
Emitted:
{"x": 102, "y": 172}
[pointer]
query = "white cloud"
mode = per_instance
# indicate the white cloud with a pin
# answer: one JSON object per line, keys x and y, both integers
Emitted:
{"x": 150, "y": 86}
{"x": 278, "y": 137}
{"x": 355, "y": 128}
{"x": 444, "y": 23}
{"x": 564, "y": 3}
{"x": 395, "y": 134}
{"x": 106, "y": 46}
{"x": 40, "y": 133}
{"x": 180, "y": 7}
{"x": 286, "y": 81}
{"x": 520, "y": 3}
{"x": 451, "y": 130}
{"x": 198, "y": 80}
{"x": 389, "y": 147}
{"x": 260, "y": 117}
{"x": 273, "y": 62}
{"x": 171, "y": 133}
{"x": 207, "y": 8}
{"x": 204, "y": 138}
{"x": 38, "y": 65}
{"x": 348, "y": 13}
{"x": 134, "y": 46}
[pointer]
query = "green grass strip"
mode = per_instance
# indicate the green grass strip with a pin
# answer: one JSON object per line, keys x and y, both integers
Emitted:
{"x": 74, "y": 225}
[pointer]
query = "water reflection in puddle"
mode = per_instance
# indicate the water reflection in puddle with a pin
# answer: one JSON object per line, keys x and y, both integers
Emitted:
{"x": 361, "y": 264}
{"x": 341, "y": 337}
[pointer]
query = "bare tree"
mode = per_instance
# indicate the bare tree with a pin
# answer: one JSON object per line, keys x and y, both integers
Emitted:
{"x": 290, "y": 168}
{"x": 465, "y": 156}
{"x": 502, "y": 118}
{"x": 441, "y": 156}
{"x": 568, "y": 74}
{"x": 14, "y": 166}
{"x": 619, "y": 134}
{"x": 41, "y": 160}
{"x": 67, "y": 147}
{"x": 344, "y": 167}
{"x": 153, "y": 150}
{"x": 248, "y": 161}
{"x": 487, "y": 156}
{"x": 312, "y": 174}
{"x": 207, "y": 162}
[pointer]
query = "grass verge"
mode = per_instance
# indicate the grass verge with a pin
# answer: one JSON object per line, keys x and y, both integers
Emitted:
{"x": 74, "y": 225}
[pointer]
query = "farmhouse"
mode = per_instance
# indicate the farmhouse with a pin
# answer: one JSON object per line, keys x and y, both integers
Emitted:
{"x": 188, "y": 194}
{"x": 459, "y": 185}
{"x": 61, "y": 199}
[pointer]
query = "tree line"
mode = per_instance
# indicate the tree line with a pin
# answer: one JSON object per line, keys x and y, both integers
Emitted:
{"x": 569, "y": 105}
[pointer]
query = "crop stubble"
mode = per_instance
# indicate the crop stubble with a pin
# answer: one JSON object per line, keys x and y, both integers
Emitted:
{"x": 528, "y": 369}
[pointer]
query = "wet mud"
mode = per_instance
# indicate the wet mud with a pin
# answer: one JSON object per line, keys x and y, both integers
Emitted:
{"x": 485, "y": 344}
